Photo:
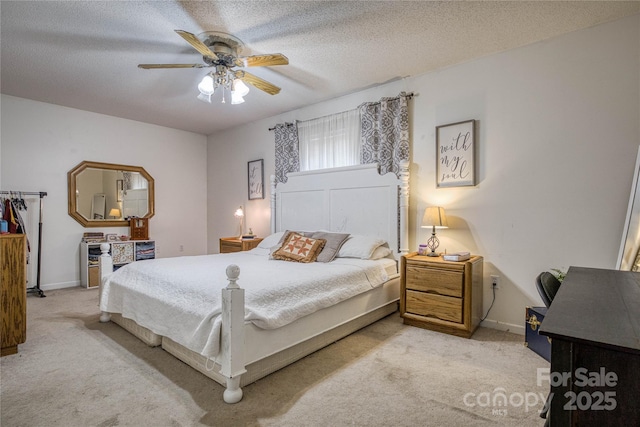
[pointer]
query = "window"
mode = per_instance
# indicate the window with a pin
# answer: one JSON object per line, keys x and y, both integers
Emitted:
{"x": 330, "y": 141}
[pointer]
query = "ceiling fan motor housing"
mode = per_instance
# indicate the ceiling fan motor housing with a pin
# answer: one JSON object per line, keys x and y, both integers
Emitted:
{"x": 225, "y": 46}
{"x": 226, "y": 55}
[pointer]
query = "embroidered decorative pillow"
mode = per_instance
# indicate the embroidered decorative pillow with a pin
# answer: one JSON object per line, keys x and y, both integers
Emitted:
{"x": 284, "y": 235}
{"x": 296, "y": 247}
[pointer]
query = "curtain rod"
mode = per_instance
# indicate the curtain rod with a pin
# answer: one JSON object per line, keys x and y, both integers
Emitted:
{"x": 407, "y": 95}
{"x": 286, "y": 124}
{"x": 28, "y": 193}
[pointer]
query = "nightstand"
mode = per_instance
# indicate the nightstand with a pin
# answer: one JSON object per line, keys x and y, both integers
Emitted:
{"x": 443, "y": 296}
{"x": 234, "y": 244}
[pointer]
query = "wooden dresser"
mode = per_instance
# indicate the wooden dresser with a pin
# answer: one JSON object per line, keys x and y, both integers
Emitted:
{"x": 234, "y": 244}
{"x": 13, "y": 285}
{"x": 594, "y": 326}
{"x": 443, "y": 296}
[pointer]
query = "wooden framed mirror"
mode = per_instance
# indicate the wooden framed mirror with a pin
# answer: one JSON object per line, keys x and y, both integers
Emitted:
{"x": 108, "y": 195}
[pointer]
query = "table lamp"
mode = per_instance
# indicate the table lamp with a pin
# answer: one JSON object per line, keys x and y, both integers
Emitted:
{"x": 114, "y": 213}
{"x": 239, "y": 213}
{"x": 434, "y": 217}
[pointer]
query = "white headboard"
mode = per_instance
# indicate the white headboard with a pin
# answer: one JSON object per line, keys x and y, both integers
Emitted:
{"x": 353, "y": 199}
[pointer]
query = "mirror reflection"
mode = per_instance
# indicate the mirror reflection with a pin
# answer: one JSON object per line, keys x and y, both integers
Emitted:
{"x": 104, "y": 194}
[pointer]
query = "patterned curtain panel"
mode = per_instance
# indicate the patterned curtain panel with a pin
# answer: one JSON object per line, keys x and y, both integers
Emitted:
{"x": 127, "y": 180}
{"x": 385, "y": 133}
{"x": 287, "y": 151}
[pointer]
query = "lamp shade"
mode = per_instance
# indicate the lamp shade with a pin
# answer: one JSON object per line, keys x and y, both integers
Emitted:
{"x": 434, "y": 216}
{"x": 240, "y": 88}
{"x": 239, "y": 213}
{"x": 236, "y": 99}
{"x": 206, "y": 85}
{"x": 114, "y": 212}
{"x": 204, "y": 98}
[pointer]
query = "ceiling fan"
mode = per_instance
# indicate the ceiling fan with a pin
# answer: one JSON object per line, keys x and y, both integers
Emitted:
{"x": 220, "y": 50}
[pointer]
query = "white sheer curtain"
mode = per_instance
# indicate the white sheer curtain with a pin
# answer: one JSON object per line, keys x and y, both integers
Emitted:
{"x": 330, "y": 141}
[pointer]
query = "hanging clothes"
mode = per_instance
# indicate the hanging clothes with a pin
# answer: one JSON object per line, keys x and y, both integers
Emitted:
{"x": 15, "y": 221}
{"x": 10, "y": 217}
{"x": 17, "y": 204}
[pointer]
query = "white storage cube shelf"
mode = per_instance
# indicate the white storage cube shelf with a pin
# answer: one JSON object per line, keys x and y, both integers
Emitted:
{"x": 123, "y": 253}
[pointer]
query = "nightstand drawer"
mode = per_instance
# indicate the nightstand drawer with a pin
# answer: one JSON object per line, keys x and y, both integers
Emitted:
{"x": 443, "y": 282}
{"x": 431, "y": 305}
{"x": 226, "y": 247}
{"x": 234, "y": 244}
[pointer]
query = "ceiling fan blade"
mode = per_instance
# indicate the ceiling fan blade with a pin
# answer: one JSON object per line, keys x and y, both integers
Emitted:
{"x": 152, "y": 66}
{"x": 262, "y": 60}
{"x": 258, "y": 82}
{"x": 197, "y": 44}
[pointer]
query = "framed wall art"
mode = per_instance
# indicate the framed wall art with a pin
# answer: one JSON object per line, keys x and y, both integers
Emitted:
{"x": 256, "y": 179}
{"x": 456, "y": 154}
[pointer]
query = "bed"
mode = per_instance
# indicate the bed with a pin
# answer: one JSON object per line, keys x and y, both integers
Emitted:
{"x": 241, "y": 316}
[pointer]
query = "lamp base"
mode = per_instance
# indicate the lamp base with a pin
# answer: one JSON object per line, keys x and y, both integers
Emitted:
{"x": 433, "y": 243}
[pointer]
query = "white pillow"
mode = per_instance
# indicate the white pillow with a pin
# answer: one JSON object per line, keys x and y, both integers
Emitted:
{"x": 381, "y": 252}
{"x": 271, "y": 240}
{"x": 360, "y": 247}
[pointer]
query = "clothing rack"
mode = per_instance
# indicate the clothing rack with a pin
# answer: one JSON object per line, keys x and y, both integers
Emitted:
{"x": 42, "y": 195}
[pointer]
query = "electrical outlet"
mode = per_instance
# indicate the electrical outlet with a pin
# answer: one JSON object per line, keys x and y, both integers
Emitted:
{"x": 495, "y": 282}
{"x": 181, "y": 248}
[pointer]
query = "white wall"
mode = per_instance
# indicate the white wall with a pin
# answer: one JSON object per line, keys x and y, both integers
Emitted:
{"x": 42, "y": 142}
{"x": 558, "y": 135}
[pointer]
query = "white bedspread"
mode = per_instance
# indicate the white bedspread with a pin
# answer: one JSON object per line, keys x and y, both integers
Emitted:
{"x": 180, "y": 297}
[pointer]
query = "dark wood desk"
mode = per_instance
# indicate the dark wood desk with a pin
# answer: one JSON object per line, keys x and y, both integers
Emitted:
{"x": 594, "y": 324}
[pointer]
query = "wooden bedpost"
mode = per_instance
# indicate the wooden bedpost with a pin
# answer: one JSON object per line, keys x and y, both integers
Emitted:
{"x": 272, "y": 198}
{"x": 232, "y": 336}
{"x": 105, "y": 264}
{"x": 404, "y": 208}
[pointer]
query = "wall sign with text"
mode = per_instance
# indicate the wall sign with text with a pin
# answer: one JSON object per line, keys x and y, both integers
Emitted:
{"x": 455, "y": 154}
{"x": 256, "y": 179}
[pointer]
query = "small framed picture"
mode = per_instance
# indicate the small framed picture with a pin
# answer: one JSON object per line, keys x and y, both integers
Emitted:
{"x": 112, "y": 238}
{"x": 119, "y": 189}
{"x": 456, "y": 154}
{"x": 256, "y": 179}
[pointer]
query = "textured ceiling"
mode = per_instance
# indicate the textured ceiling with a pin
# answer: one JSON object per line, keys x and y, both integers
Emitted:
{"x": 84, "y": 54}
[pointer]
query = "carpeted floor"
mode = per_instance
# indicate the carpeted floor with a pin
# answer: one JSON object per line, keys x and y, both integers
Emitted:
{"x": 74, "y": 371}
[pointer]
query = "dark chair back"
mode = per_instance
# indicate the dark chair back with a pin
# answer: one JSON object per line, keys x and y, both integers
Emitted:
{"x": 548, "y": 286}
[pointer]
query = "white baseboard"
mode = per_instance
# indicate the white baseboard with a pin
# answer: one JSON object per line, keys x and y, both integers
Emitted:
{"x": 501, "y": 326}
{"x": 60, "y": 285}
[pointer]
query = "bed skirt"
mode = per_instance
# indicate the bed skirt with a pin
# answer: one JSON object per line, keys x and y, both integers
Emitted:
{"x": 145, "y": 335}
{"x": 270, "y": 364}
